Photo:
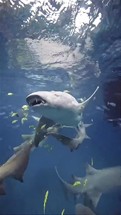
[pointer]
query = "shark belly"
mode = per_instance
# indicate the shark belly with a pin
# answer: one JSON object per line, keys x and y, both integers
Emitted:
{"x": 61, "y": 116}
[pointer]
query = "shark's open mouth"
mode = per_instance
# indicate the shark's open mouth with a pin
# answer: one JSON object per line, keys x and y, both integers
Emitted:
{"x": 34, "y": 100}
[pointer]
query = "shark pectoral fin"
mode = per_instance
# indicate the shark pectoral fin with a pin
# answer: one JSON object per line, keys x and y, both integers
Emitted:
{"x": 94, "y": 196}
{"x": 2, "y": 189}
{"x": 91, "y": 170}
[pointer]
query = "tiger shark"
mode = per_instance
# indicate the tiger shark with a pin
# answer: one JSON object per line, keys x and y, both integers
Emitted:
{"x": 95, "y": 183}
{"x": 15, "y": 166}
{"x": 61, "y": 107}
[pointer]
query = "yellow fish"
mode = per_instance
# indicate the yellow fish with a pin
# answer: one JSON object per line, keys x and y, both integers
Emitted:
{"x": 76, "y": 183}
{"x": 23, "y": 120}
{"x": 45, "y": 200}
{"x": 14, "y": 121}
{"x": 62, "y": 213}
{"x": 25, "y": 107}
{"x": 10, "y": 94}
{"x": 43, "y": 126}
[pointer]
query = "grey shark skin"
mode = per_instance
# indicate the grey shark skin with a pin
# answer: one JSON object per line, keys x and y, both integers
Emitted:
{"x": 95, "y": 183}
{"x": 73, "y": 143}
{"x": 83, "y": 210}
{"x": 58, "y": 106}
{"x": 15, "y": 166}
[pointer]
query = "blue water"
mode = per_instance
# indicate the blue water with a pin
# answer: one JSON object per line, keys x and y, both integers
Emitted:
{"x": 24, "y": 74}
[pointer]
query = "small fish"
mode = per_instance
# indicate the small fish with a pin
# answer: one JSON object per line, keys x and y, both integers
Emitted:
{"x": 14, "y": 121}
{"x": 25, "y": 107}
{"x": 45, "y": 200}
{"x": 112, "y": 104}
{"x": 76, "y": 183}
{"x": 43, "y": 126}
{"x": 62, "y": 213}
{"x": 23, "y": 120}
{"x": 12, "y": 114}
{"x": 32, "y": 126}
{"x": 10, "y": 94}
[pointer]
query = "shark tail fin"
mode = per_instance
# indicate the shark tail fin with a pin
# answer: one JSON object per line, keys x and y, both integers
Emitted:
{"x": 60, "y": 178}
{"x": 84, "y": 103}
{"x": 2, "y": 189}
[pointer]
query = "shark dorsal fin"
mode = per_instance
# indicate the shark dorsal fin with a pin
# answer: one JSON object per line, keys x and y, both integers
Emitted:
{"x": 90, "y": 170}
